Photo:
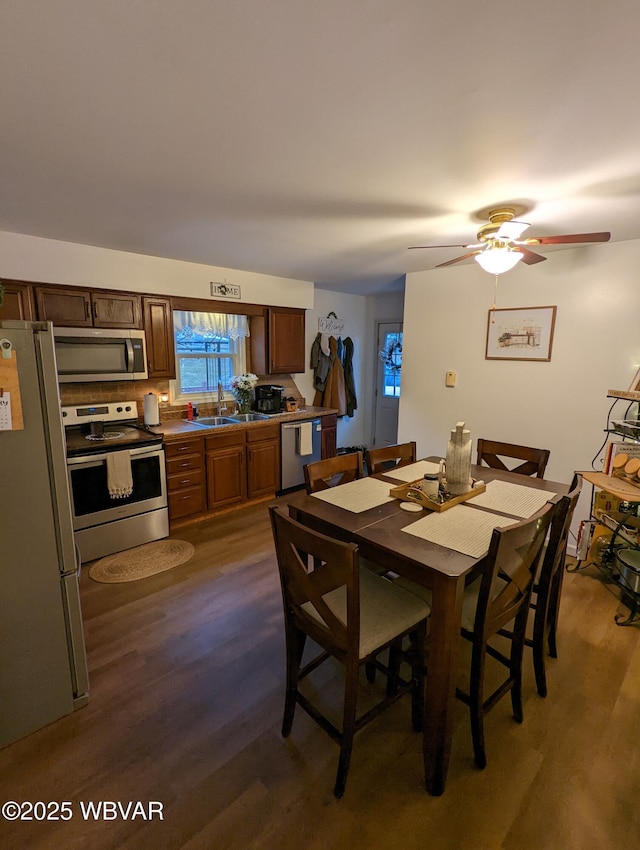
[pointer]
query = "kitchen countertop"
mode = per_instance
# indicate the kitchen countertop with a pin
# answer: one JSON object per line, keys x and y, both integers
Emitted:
{"x": 172, "y": 429}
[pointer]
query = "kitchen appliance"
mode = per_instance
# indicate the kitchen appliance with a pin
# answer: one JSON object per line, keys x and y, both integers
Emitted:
{"x": 104, "y": 524}
{"x": 301, "y": 443}
{"x": 43, "y": 668}
{"x": 268, "y": 398}
{"x": 100, "y": 354}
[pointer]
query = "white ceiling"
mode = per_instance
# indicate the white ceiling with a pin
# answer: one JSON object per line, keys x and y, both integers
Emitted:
{"x": 316, "y": 140}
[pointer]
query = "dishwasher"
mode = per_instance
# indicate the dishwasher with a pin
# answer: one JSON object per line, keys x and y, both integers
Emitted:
{"x": 300, "y": 445}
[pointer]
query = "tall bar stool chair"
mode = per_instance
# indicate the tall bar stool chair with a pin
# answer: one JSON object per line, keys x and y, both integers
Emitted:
{"x": 547, "y": 588}
{"x": 388, "y": 458}
{"x": 499, "y": 596}
{"x": 351, "y": 614}
{"x": 534, "y": 462}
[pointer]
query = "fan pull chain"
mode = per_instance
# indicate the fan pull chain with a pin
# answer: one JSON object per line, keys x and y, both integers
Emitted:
{"x": 495, "y": 299}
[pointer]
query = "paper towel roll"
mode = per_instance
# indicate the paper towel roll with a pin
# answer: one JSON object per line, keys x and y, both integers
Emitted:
{"x": 151, "y": 410}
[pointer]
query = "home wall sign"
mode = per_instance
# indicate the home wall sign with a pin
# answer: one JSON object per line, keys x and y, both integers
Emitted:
{"x": 525, "y": 333}
{"x": 225, "y": 290}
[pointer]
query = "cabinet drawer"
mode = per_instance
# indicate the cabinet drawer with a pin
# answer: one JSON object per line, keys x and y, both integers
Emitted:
{"x": 224, "y": 441}
{"x": 176, "y": 448}
{"x": 185, "y": 478}
{"x": 178, "y": 465}
{"x": 257, "y": 433}
{"x": 186, "y": 502}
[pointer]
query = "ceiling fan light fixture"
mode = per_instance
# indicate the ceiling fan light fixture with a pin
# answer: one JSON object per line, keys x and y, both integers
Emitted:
{"x": 498, "y": 260}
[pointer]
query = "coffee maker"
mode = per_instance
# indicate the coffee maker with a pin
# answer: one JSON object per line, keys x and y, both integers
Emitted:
{"x": 268, "y": 398}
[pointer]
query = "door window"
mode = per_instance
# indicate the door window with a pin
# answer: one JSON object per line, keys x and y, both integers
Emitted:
{"x": 391, "y": 356}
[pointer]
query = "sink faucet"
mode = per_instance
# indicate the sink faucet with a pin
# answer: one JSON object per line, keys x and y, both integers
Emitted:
{"x": 222, "y": 405}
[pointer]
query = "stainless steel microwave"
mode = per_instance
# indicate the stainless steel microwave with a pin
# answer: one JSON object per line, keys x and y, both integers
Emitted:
{"x": 100, "y": 354}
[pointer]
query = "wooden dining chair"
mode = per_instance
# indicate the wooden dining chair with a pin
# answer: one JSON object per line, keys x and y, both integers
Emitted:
{"x": 547, "y": 587}
{"x": 332, "y": 471}
{"x": 491, "y": 453}
{"x": 390, "y": 457}
{"x": 499, "y": 596}
{"x": 351, "y": 614}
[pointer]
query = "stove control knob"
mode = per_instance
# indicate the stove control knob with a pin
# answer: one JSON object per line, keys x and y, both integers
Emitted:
{"x": 118, "y": 410}
{"x": 64, "y": 413}
{"x": 128, "y": 408}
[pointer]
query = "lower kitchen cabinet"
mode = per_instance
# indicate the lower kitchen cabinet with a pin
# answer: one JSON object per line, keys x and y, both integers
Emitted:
{"x": 226, "y": 469}
{"x": 263, "y": 460}
{"x": 185, "y": 477}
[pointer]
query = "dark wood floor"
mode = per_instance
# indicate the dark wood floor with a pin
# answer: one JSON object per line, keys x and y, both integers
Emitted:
{"x": 186, "y": 696}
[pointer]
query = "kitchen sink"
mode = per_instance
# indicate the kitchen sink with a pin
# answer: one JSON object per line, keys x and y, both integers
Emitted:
{"x": 209, "y": 421}
{"x": 248, "y": 417}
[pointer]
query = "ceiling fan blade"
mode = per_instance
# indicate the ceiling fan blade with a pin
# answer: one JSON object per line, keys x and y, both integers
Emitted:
{"x": 568, "y": 239}
{"x": 413, "y": 247}
{"x": 529, "y": 257}
{"x": 511, "y": 230}
{"x": 457, "y": 259}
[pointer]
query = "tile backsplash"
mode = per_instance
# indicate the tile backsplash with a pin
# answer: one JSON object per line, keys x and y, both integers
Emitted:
{"x": 136, "y": 390}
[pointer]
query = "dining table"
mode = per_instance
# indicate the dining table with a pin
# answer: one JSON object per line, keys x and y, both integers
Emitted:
{"x": 398, "y": 541}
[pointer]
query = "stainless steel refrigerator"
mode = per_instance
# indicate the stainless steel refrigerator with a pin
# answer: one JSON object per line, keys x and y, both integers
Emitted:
{"x": 43, "y": 668}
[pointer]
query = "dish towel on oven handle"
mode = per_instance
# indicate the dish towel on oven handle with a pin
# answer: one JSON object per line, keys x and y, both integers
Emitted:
{"x": 305, "y": 439}
{"x": 119, "y": 477}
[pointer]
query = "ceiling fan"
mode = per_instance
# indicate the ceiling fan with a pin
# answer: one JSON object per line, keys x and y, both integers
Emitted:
{"x": 499, "y": 247}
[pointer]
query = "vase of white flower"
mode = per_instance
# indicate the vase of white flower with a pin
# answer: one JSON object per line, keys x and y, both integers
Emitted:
{"x": 242, "y": 386}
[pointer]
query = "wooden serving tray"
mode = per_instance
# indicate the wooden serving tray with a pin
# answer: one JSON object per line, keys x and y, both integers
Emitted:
{"x": 411, "y": 492}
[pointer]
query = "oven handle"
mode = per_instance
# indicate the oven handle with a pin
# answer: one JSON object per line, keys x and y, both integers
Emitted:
{"x": 96, "y": 459}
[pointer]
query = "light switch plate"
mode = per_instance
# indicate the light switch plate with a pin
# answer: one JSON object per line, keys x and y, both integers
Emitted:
{"x": 450, "y": 379}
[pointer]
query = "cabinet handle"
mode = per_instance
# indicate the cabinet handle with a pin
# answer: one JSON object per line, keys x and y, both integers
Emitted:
{"x": 95, "y": 309}
{"x": 87, "y": 310}
{"x": 183, "y": 465}
{"x": 185, "y": 498}
{"x": 185, "y": 481}
{"x": 183, "y": 448}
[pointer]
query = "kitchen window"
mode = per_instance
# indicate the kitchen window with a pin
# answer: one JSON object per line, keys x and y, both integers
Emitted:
{"x": 210, "y": 348}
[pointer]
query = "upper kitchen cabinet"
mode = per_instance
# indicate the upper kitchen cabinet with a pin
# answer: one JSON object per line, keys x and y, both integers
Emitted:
{"x": 70, "y": 307}
{"x": 158, "y": 331}
{"x": 277, "y": 341}
{"x": 18, "y": 301}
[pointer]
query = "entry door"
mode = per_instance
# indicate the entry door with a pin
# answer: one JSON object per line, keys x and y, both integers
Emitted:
{"x": 388, "y": 373}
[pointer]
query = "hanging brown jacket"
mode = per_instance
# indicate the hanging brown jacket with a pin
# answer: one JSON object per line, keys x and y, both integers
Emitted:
{"x": 335, "y": 394}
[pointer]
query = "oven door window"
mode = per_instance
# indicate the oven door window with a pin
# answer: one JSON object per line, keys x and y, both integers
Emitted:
{"x": 89, "y": 485}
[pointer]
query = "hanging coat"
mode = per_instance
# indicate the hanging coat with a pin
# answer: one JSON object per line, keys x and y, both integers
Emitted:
{"x": 335, "y": 394}
{"x": 349, "y": 379}
{"x": 320, "y": 362}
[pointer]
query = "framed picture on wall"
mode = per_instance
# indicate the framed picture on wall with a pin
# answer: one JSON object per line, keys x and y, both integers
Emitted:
{"x": 525, "y": 333}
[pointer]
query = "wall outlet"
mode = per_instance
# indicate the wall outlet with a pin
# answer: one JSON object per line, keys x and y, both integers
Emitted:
{"x": 450, "y": 379}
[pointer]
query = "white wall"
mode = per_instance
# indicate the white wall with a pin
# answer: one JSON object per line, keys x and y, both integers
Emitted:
{"x": 561, "y": 405}
{"x": 51, "y": 261}
{"x": 353, "y": 310}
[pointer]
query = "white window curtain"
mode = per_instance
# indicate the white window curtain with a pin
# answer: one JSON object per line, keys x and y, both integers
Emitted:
{"x": 212, "y": 325}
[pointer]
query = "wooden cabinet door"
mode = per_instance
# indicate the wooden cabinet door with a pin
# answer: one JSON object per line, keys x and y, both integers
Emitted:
{"x": 263, "y": 468}
{"x": 18, "y": 303}
{"x": 116, "y": 311}
{"x": 226, "y": 476}
{"x": 329, "y": 436}
{"x": 158, "y": 330}
{"x": 65, "y": 307}
{"x": 286, "y": 340}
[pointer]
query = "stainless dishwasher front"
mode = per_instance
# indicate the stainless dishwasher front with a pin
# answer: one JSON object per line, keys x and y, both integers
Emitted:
{"x": 299, "y": 448}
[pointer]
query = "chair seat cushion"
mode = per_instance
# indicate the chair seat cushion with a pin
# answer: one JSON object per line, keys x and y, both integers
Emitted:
{"x": 386, "y": 611}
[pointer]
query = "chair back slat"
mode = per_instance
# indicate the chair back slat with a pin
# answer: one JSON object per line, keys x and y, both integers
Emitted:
{"x": 492, "y": 452}
{"x": 336, "y": 568}
{"x": 509, "y": 572}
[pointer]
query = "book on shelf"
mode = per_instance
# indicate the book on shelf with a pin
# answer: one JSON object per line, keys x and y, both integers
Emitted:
{"x": 616, "y": 447}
